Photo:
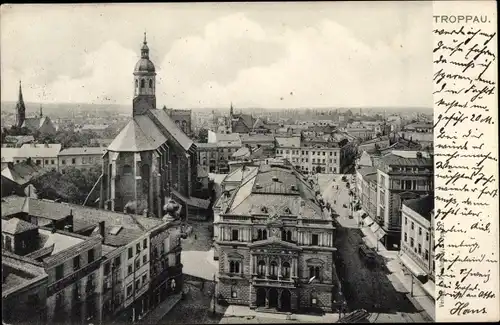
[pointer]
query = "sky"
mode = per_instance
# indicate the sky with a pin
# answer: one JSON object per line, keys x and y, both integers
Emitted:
{"x": 269, "y": 55}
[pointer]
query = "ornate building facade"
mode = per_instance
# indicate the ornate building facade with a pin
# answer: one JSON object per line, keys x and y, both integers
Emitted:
{"x": 275, "y": 244}
{"x": 151, "y": 159}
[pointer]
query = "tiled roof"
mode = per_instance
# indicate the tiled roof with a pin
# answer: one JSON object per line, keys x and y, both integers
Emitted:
{"x": 34, "y": 123}
{"x": 22, "y": 172}
{"x": 132, "y": 138}
{"x": 75, "y": 151}
{"x": 56, "y": 211}
{"x": 423, "y": 206}
{"x": 16, "y": 226}
{"x": 162, "y": 117}
{"x": 39, "y": 150}
{"x": 367, "y": 170}
{"x": 22, "y": 272}
{"x": 288, "y": 142}
{"x": 276, "y": 195}
{"x": 125, "y": 236}
{"x": 391, "y": 159}
{"x": 256, "y": 138}
{"x": 241, "y": 174}
{"x": 242, "y": 152}
{"x": 206, "y": 145}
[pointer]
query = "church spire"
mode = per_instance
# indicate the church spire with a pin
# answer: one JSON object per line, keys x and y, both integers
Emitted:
{"x": 231, "y": 111}
{"x": 41, "y": 111}
{"x": 20, "y": 108}
{"x": 145, "y": 48}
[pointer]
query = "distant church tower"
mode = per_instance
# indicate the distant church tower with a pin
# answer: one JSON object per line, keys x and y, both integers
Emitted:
{"x": 144, "y": 83}
{"x": 20, "y": 108}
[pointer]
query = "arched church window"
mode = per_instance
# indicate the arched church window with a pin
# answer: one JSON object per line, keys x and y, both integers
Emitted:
{"x": 127, "y": 170}
{"x": 142, "y": 83}
{"x": 136, "y": 83}
{"x": 150, "y": 83}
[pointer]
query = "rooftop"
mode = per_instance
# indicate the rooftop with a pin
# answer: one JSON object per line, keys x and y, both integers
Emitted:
{"x": 275, "y": 190}
{"x": 39, "y": 150}
{"x": 398, "y": 158}
{"x": 75, "y": 151}
{"x": 423, "y": 206}
{"x": 20, "y": 272}
{"x": 23, "y": 172}
{"x": 288, "y": 142}
{"x": 16, "y": 226}
{"x": 367, "y": 171}
{"x": 81, "y": 215}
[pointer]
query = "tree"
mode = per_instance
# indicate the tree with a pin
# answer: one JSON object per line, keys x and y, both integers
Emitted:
{"x": 73, "y": 186}
{"x": 203, "y": 135}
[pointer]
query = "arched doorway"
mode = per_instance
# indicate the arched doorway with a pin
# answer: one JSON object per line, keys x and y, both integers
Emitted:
{"x": 286, "y": 300}
{"x": 273, "y": 298}
{"x": 261, "y": 297}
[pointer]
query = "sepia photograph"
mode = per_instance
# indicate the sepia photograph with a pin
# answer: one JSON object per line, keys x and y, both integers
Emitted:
{"x": 216, "y": 163}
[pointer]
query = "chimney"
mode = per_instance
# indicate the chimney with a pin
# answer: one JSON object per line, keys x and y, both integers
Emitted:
{"x": 101, "y": 229}
{"x": 69, "y": 221}
{"x": 54, "y": 226}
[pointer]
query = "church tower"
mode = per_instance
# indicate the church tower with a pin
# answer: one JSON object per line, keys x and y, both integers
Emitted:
{"x": 144, "y": 83}
{"x": 20, "y": 108}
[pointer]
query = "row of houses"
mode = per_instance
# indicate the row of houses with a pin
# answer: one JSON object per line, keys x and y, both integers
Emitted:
{"x": 395, "y": 202}
{"x": 332, "y": 153}
{"x": 68, "y": 263}
{"x": 52, "y": 156}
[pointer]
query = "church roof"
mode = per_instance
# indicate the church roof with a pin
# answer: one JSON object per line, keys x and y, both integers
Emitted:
{"x": 144, "y": 65}
{"x": 34, "y": 123}
{"x": 165, "y": 120}
{"x": 140, "y": 134}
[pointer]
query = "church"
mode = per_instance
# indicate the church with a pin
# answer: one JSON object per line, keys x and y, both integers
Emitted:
{"x": 40, "y": 123}
{"x": 151, "y": 160}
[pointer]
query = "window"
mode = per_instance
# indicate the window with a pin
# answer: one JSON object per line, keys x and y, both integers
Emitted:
{"x": 411, "y": 242}
{"x": 137, "y": 264}
{"x": 63, "y": 161}
{"x": 138, "y": 248}
{"x": 91, "y": 160}
{"x": 314, "y": 160}
{"x": 234, "y": 235}
{"x": 274, "y": 269}
{"x": 52, "y": 162}
{"x": 117, "y": 261}
{"x": 426, "y": 254}
{"x": 234, "y": 267}
{"x": 46, "y": 162}
{"x": 59, "y": 272}
{"x": 150, "y": 83}
{"x": 406, "y": 237}
{"x": 130, "y": 252}
{"x": 412, "y": 225}
{"x": 38, "y": 161}
{"x": 84, "y": 160}
{"x": 177, "y": 259}
{"x": 420, "y": 231}
{"x": 142, "y": 83}
{"x": 315, "y": 239}
{"x": 261, "y": 268}
{"x": 419, "y": 248}
{"x": 76, "y": 263}
{"x": 323, "y": 153}
{"x": 144, "y": 278}
{"x": 129, "y": 290}
{"x": 406, "y": 220}
{"x": 144, "y": 259}
{"x": 106, "y": 269}
{"x": 314, "y": 271}
{"x": 90, "y": 256}
{"x": 127, "y": 170}
{"x": 145, "y": 243}
{"x": 427, "y": 236}
{"x": 76, "y": 292}
{"x": 137, "y": 284}
{"x": 73, "y": 161}
{"x": 130, "y": 269}
{"x": 285, "y": 270}
{"x": 335, "y": 153}
{"x": 233, "y": 293}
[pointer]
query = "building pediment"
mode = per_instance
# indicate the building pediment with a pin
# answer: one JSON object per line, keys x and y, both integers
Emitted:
{"x": 274, "y": 244}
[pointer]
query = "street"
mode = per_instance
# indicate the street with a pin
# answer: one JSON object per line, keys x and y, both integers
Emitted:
{"x": 373, "y": 289}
